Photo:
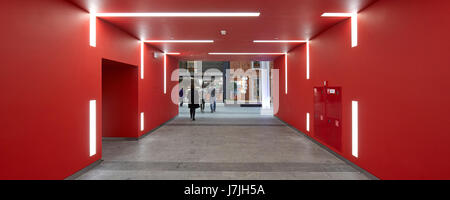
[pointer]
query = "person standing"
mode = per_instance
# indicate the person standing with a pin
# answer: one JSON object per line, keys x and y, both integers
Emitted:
{"x": 193, "y": 101}
{"x": 212, "y": 99}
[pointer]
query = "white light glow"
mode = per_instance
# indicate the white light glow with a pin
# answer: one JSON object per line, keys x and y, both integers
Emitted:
{"x": 142, "y": 121}
{"x": 92, "y": 127}
{"x": 181, "y": 14}
{"x": 246, "y": 53}
{"x": 179, "y": 41}
{"x": 337, "y": 14}
{"x": 165, "y": 64}
{"x": 354, "y": 30}
{"x": 285, "y": 73}
{"x": 355, "y": 128}
{"x": 142, "y": 60}
{"x": 92, "y": 30}
{"x": 354, "y": 18}
{"x": 307, "y": 60}
{"x": 307, "y": 122}
{"x": 173, "y": 53}
{"x": 279, "y": 41}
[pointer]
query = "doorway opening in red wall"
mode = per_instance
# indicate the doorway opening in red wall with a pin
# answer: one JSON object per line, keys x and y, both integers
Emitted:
{"x": 120, "y": 116}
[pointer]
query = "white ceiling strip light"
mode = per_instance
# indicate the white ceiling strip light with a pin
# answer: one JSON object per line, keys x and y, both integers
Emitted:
{"x": 181, "y": 14}
{"x": 354, "y": 18}
{"x": 279, "y": 41}
{"x": 179, "y": 41}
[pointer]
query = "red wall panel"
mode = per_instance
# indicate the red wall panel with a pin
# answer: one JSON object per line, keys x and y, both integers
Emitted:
{"x": 48, "y": 75}
{"x": 120, "y": 116}
{"x": 157, "y": 106}
{"x": 399, "y": 75}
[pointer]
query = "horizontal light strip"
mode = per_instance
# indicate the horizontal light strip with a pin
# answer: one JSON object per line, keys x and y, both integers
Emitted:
{"x": 279, "y": 41}
{"x": 337, "y": 14}
{"x": 179, "y": 41}
{"x": 215, "y": 53}
{"x": 172, "y": 53}
{"x": 354, "y": 18}
{"x": 181, "y": 14}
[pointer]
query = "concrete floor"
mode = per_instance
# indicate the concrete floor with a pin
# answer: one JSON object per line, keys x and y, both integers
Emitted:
{"x": 233, "y": 143}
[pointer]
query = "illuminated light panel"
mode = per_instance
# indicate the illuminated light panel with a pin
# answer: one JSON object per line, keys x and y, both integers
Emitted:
{"x": 354, "y": 30}
{"x": 355, "y": 128}
{"x": 173, "y": 53}
{"x": 142, "y": 121}
{"x": 142, "y": 60}
{"x": 215, "y": 53}
{"x": 92, "y": 127}
{"x": 179, "y": 41}
{"x": 181, "y": 14}
{"x": 337, "y": 14}
{"x": 307, "y": 122}
{"x": 92, "y": 30}
{"x": 354, "y": 18}
{"x": 307, "y": 60}
{"x": 165, "y": 65}
{"x": 285, "y": 73}
{"x": 279, "y": 41}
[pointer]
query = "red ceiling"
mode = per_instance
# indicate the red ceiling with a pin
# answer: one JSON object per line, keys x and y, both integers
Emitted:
{"x": 282, "y": 19}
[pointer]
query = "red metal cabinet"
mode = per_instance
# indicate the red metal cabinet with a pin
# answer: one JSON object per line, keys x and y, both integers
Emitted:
{"x": 328, "y": 115}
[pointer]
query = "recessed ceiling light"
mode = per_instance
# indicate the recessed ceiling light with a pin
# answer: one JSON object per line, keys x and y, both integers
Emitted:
{"x": 337, "y": 14}
{"x": 181, "y": 14}
{"x": 179, "y": 41}
{"x": 354, "y": 22}
{"x": 225, "y": 53}
{"x": 223, "y": 32}
{"x": 279, "y": 41}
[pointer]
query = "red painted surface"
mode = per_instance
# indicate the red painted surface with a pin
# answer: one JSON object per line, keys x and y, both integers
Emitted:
{"x": 48, "y": 75}
{"x": 157, "y": 106}
{"x": 328, "y": 115}
{"x": 119, "y": 99}
{"x": 286, "y": 19}
{"x": 395, "y": 73}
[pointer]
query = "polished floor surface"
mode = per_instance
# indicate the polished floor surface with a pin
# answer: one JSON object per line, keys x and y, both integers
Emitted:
{"x": 233, "y": 143}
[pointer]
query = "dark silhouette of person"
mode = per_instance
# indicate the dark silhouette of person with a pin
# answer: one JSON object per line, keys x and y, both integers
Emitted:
{"x": 193, "y": 101}
{"x": 181, "y": 97}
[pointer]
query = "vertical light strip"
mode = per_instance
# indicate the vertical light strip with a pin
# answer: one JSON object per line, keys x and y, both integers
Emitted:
{"x": 307, "y": 60}
{"x": 142, "y": 121}
{"x": 354, "y": 24}
{"x": 92, "y": 127}
{"x": 285, "y": 73}
{"x": 92, "y": 30}
{"x": 165, "y": 63}
{"x": 354, "y": 29}
{"x": 142, "y": 60}
{"x": 307, "y": 122}
{"x": 355, "y": 128}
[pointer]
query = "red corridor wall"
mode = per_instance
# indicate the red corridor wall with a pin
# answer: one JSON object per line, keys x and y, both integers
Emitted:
{"x": 398, "y": 73}
{"x": 48, "y": 75}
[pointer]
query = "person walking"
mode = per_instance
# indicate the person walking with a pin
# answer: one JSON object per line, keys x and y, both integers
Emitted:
{"x": 212, "y": 99}
{"x": 181, "y": 97}
{"x": 193, "y": 101}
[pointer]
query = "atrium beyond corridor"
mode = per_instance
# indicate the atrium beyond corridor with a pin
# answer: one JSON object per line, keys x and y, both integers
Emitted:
{"x": 232, "y": 143}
